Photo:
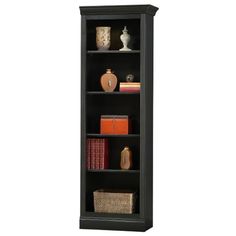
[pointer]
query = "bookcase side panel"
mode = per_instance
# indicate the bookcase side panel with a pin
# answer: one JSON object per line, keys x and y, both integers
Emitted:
{"x": 83, "y": 118}
{"x": 146, "y": 119}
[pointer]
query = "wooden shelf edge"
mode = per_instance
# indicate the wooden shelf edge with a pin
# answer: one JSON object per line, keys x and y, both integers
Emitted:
{"x": 112, "y": 52}
{"x": 113, "y": 171}
{"x": 111, "y": 93}
{"x": 113, "y": 135}
{"x": 112, "y": 215}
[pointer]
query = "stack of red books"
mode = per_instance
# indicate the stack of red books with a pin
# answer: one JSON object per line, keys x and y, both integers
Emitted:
{"x": 97, "y": 153}
{"x": 130, "y": 87}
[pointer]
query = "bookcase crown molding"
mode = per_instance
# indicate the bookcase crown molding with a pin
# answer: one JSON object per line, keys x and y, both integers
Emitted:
{"x": 118, "y": 9}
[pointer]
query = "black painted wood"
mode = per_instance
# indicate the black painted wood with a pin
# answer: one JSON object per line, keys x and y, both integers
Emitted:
{"x": 112, "y": 93}
{"x": 113, "y": 135}
{"x": 83, "y": 118}
{"x": 115, "y": 171}
{"x": 95, "y": 102}
{"x": 113, "y": 223}
{"x": 121, "y": 64}
{"x": 113, "y": 51}
{"x": 119, "y": 9}
{"x": 146, "y": 119}
{"x": 117, "y": 26}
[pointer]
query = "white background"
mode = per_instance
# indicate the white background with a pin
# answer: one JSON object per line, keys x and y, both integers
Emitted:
{"x": 194, "y": 121}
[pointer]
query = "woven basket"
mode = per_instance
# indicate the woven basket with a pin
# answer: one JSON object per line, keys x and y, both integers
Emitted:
{"x": 113, "y": 201}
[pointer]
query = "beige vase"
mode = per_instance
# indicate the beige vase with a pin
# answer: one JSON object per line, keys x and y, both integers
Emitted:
{"x": 103, "y": 37}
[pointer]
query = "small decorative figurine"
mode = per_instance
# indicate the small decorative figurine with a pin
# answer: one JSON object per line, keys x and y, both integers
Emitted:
{"x": 129, "y": 78}
{"x": 126, "y": 159}
{"x": 103, "y": 37}
{"x": 125, "y": 38}
{"x": 108, "y": 81}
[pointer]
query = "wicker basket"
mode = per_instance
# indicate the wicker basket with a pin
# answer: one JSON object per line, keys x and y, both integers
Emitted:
{"x": 113, "y": 201}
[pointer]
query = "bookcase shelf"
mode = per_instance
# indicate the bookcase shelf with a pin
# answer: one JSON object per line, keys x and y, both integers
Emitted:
{"x": 138, "y": 106}
{"x": 114, "y": 135}
{"x": 115, "y": 171}
{"x": 112, "y": 93}
{"x": 112, "y": 52}
{"x": 107, "y": 216}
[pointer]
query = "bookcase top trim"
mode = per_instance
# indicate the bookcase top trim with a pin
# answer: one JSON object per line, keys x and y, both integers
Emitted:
{"x": 118, "y": 9}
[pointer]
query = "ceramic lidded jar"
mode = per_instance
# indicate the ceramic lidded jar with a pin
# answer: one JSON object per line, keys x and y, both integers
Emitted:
{"x": 125, "y": 38}
{"x": 103, "y": 37}
{"x": 108, "y": 81}
{"x": 126, "y": 162}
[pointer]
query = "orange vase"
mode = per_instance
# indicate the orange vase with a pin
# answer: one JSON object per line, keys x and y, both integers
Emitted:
{"x": 108, "y": 81}
{"x": 126, "y": 162}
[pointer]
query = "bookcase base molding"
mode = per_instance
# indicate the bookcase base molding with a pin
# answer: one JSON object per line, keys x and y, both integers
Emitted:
{"x": 107, "y": 223}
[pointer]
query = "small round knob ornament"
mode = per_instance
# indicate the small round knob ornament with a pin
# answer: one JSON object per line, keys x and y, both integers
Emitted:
{"x": 126, "y": 162}
{"x": 108, "y": 81}
{"x": 129, "y": 78}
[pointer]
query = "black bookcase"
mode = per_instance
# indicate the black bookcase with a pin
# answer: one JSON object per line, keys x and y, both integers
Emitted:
{"x": 139, "y": 106}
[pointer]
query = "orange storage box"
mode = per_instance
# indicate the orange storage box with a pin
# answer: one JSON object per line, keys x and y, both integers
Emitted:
{"x": 110, "y": 124}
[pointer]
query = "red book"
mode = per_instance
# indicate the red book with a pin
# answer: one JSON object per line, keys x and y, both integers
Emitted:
{"x": 92, "y": 153}
{"x": 88, "y": 160}
{"x": 104, "y": 161}
{"x": 126, "y": 89}
{"x": 100, "y": 153}
{"x": 97, "y": 153}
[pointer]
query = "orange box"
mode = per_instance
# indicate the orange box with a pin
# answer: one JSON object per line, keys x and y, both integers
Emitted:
{"x": 114, "y": 124}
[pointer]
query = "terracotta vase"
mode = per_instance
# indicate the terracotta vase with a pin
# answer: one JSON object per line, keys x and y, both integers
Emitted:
{"x": 108, "y": 81}
{"x": 103, "y": 37}
{"x": 126, "y": 162}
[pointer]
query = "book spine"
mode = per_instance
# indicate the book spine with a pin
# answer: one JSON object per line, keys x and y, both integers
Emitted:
{"x": 130, "y": 84}
{"x": 88, "y": 161}
{"x": 97, "y": 154}
{"x": 102, "y": 154}
{"x": 130, "y": 90}
{"x": 106, "y": 154}
{"x": 92, "y": 154}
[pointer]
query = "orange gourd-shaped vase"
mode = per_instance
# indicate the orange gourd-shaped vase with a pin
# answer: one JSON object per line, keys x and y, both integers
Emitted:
{"x": 126, "y": 162}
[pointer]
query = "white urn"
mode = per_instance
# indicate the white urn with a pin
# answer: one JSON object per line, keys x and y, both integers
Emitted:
{"x": 125, "y": 38}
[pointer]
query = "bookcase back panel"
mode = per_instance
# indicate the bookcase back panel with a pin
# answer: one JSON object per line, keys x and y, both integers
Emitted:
{"x": 133, "y": 26}
{"x": 124, "y": 181}
{"x": 117, "y": 105}
{"x": 116, "y": 145}
{"x": 121, "y": 65}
